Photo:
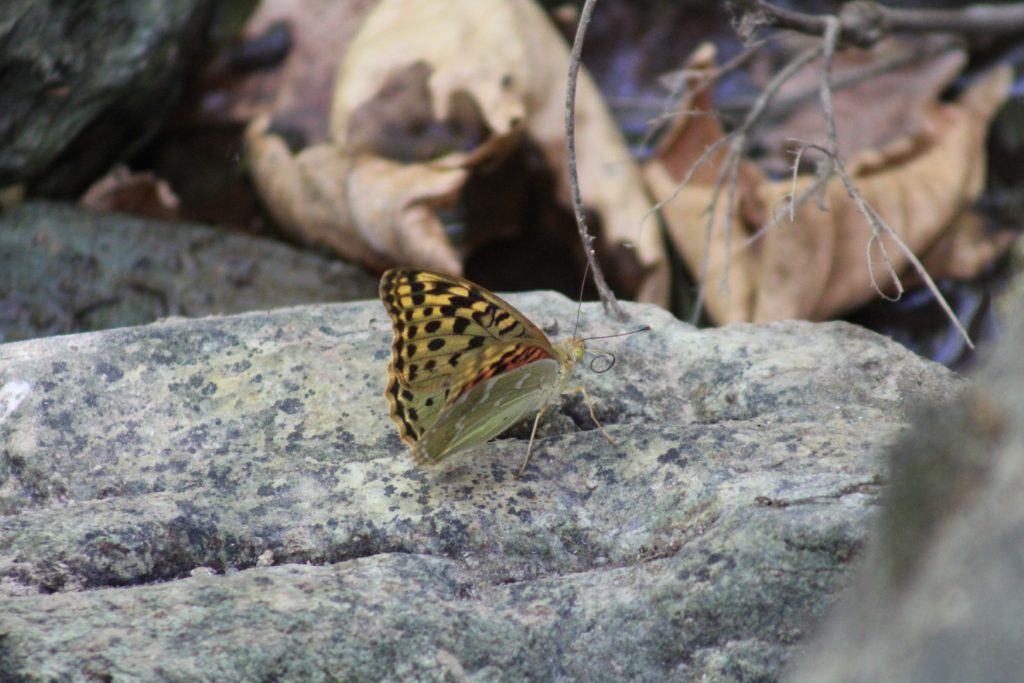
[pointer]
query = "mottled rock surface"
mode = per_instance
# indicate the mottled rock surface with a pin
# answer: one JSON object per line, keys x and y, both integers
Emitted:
{"x": 941, "y": 593}
{"x": 64, "y": 269}
{"x": 226, "y": 498}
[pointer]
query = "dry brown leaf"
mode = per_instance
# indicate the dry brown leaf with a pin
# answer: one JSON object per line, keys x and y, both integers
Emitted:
{"x": 382, "y": 192}
{"x": 139, "y": 194}
{"x": 430, "y": 92}
{"x": 297, "y": 94}
{"x": 871, "y": 108}
{"x": 728, "y": 266}
{"x": 967, "y": 248}
{"x": 325, "y": 198}
{"x": 921, "y": 188}
{"x": 816, "y": 265}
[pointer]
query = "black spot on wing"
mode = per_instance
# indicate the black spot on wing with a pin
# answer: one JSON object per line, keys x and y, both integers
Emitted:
{"x": 462, "y": 301}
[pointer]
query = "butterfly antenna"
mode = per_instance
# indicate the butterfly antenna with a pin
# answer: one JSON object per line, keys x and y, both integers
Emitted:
{"x": 608, "y": 355}
{"x": 645, "y": 328}
{"x": 610, "y": 358}
{"x": 579, "y": 300}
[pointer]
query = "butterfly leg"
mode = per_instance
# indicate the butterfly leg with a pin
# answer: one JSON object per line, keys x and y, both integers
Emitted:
{"x": 590, "y": 406}
{"x": 529, "y": 447}
{"x": 540, "y": 413}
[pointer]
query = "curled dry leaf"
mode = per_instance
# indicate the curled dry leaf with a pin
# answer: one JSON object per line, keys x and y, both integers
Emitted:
{"x": 428, "y": 94}
{"x": 309, "y": 195}
{"x": 768, "y": 264}
{"x": 923, "y": 187}
{"x": 139, "y": 194}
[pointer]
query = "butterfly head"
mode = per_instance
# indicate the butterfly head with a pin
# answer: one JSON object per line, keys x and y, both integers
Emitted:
{"x": 570, "y": 351}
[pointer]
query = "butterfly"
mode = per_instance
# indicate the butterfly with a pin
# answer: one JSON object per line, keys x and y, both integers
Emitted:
{"x": 465, "y": 364}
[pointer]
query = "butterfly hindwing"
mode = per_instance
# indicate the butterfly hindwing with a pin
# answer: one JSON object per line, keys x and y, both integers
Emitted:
{"x": 414, "y": 409}
{"x": 487, "y": 409}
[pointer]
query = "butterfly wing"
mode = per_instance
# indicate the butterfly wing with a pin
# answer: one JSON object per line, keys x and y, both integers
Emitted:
{"x": 487, "y": 409}
{"x": 449, "y": 335}
{"x": 438, "y": 319}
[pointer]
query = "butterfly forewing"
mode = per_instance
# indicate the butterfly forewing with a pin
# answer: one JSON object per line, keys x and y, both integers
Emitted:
{"x": 439, "y": 321}
{"x": 464, "y": 363}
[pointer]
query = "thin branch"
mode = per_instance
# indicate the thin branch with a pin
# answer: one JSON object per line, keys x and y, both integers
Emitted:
{"x": 730, "y": 207}
{"x": 785, "y": 104}
{"x": 879, "y": 226}
{"x": 607, "y": 296}
{"x": 737, "y": 141}
{"x": 864, "y": 23}
{"x": 678, "y": 81}
{"x": 834, "y": 32}
{"x": 833, "y": 166}
{"x": 826, "y": 167}
{"x": 875, "y": 237}
{"x": 730, "y": 162}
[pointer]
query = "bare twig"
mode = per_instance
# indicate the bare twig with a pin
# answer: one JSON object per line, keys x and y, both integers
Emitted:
{"x": 786, "y": 103}
{"x": 831, "y": 165}
{"x": 825, "y": 167}
{"x": 678, "y": 81}
{"x": 607, "y": 296}
{"x": 834, "y": 32}
{"x": 730, "y": 164}
{"x": 875, "y": 237}
{"x": 878, "y": 225}
{"x": 864, "y": 23}
{"x": 726, "y": 170}
{"x": 730, "y": 205}
{"x": 828, "y": 51}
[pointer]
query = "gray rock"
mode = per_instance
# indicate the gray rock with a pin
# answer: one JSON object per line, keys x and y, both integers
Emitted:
{"x": 64, "y": 270}
{"x": 226, "y": 499}
{"x": 940, "y": 595}
{"x": 85, "y": 82}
